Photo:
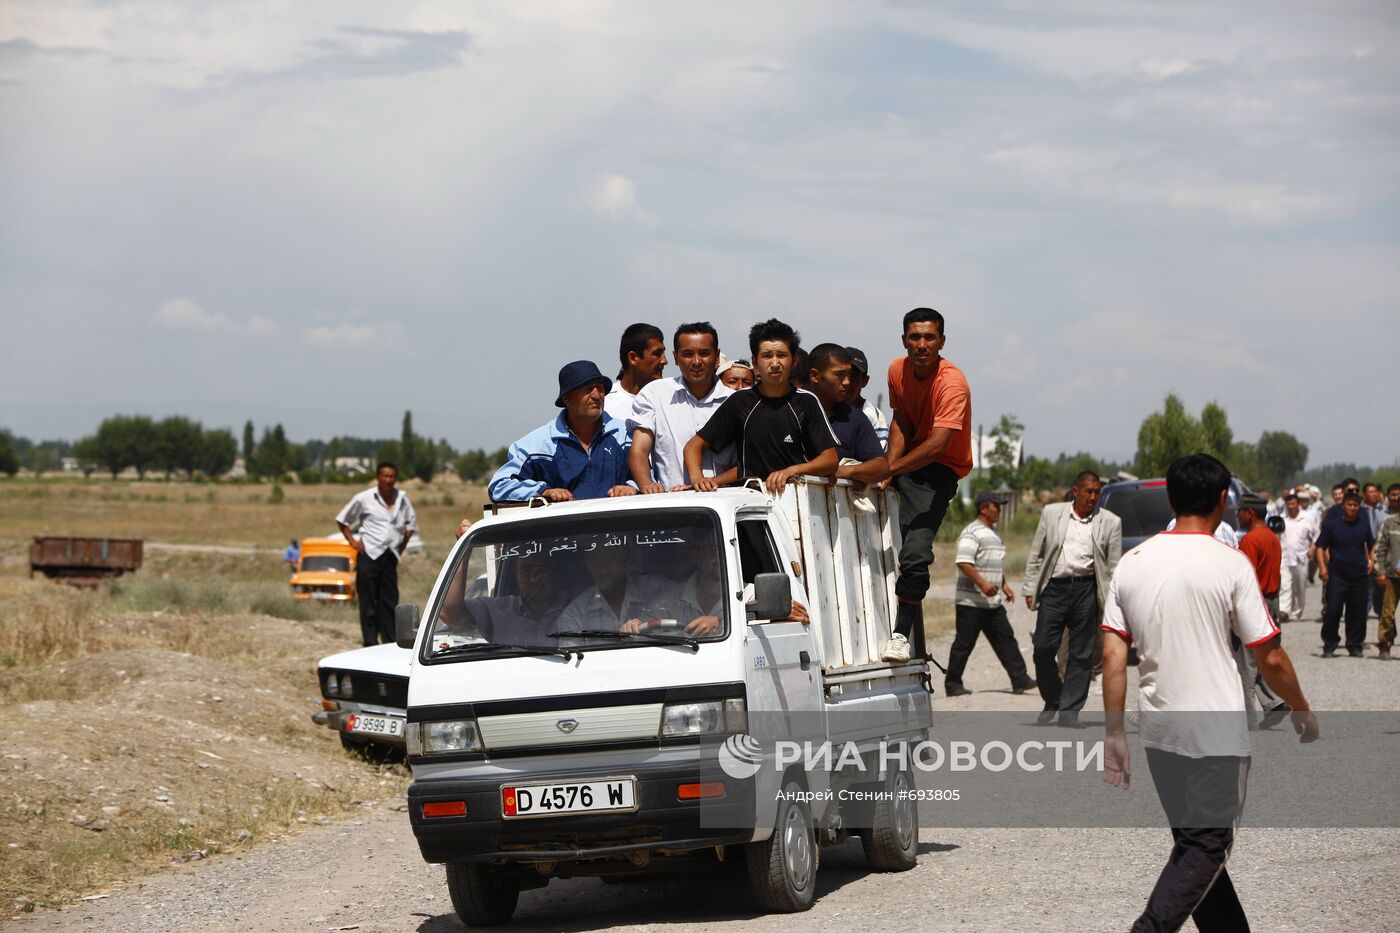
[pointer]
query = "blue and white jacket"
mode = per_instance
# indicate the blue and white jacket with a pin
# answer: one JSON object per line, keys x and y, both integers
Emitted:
{"x": 550, "y": 457}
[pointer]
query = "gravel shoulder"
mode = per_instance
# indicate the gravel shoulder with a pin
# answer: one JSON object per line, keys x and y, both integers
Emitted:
{"x": 365, "y": 874}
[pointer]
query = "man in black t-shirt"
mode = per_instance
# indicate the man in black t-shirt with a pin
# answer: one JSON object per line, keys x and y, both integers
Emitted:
{"x": 778, "y": 432}
{"x": 1345, "y": 560}
{"x": 831, "y": 378}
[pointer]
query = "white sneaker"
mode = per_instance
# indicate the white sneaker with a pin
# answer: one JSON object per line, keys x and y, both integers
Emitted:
{"x": 896, "y": 649}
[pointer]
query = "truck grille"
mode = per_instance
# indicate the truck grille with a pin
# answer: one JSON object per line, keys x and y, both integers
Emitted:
{"x": 589, "y": 726}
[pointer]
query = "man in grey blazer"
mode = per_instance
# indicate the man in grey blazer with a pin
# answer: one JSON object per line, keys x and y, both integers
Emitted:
{"x": 1073, "y": 555}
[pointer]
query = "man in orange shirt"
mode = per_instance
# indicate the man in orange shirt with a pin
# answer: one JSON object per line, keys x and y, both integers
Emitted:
{"x": 1265, "y": 554}
{"x": 930, "y": 449}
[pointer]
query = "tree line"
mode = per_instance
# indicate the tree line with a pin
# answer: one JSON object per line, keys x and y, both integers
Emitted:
{"x": 181, "y": 446}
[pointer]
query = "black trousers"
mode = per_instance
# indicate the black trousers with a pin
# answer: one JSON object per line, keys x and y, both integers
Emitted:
{"x": 993, "y": 623}
{"x": 1347, "y": 594}
{"x": 1195, "y": 793}
{"x": 923, "y": 502}
{"x": 1073, "y": 606}
{"x": 377, "y": 589}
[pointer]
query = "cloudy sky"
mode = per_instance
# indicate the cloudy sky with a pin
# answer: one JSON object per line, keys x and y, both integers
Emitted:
{"x": 325, "y": 213}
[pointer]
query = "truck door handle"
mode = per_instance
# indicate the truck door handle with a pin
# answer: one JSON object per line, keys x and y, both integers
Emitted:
{"x": 805, "y": 659}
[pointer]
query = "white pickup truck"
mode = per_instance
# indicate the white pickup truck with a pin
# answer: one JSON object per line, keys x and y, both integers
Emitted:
{"x": 619, "y": 699}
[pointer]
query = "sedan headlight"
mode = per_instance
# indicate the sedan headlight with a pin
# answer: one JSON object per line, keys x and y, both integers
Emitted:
{"x": 706, "y": 718}
{"x": 443, "y": 737}
{"x": 332, "y": 686}
{"x": 347, "y": 689}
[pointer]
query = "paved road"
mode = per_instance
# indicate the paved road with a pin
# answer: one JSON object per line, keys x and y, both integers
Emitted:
{"x": 365, "y": 874}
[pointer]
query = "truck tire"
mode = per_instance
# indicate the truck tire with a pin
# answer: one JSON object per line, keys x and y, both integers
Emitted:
{"x": 892, "y": 841}
{"x": 783, "y": 868}
{"x": 481, "y": 894}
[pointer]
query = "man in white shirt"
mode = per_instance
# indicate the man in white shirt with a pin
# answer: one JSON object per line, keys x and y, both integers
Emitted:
{"x": 642, "y": 353}
{"x": 1299, "y": 533}
{"x": 386, "y": 522}
{"x": 1073, "y": 554}
{"x": 1178, "y": 597}
{"x": 667, "y": 412}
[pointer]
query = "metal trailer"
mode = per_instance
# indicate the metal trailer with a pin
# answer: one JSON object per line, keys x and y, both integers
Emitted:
{"x": 83, "y": 561}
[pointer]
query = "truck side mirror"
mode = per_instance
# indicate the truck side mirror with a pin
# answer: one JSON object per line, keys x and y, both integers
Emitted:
{"x": 406, "y": 619}
{"x": 772, "y": 597}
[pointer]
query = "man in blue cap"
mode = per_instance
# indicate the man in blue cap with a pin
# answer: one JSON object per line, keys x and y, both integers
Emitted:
{"x": 581, "y": 454}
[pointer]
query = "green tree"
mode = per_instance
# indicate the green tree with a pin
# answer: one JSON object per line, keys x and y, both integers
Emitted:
{"x": 217, "y": 452}
{"x": 1216, "y": 435}
{"x": 389, "y": 452}
{"x": 178, "y": 445}
{"x": 473, "y": 466}
{"x": 1002, "y": 468}
{"x": 143, "y": 444}
{"x": 250, "y": 450}
{"x": 1281, "y": 457}
{"x": 1166, "y": 435}
{"x": 273, "y": 457}
{"x": 408, "y": 447}
{"x": 9, "y": 460}
{"x": 45, "y": 457}
{"x": 88, "y": 454}
{"x": 1036, "y": 474}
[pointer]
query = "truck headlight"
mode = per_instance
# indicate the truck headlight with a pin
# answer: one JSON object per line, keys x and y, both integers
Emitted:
{"x": 704, "y": 718}
{"x": 443, "y": 737}
{"x": 347, "y": 689}
{"x": 332, "y": 686}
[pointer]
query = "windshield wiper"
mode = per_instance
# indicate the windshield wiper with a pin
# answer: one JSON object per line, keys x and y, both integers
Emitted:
{"x": 686, "y": 640}
{"x": 522, "y": 650}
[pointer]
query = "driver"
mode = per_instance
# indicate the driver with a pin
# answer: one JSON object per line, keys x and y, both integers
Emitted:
{"x": 524, "y": 618}
{"x": 616, "y": 595}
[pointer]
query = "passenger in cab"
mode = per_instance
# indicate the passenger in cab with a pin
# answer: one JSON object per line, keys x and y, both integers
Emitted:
{"x": 581, "y": 454}
{"x": 777, "y": 432}
{"x": 667, "y": 413}
{"x": 831, "y": 379}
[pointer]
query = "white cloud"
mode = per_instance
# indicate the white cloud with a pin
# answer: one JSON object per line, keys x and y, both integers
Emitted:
{"x": 182, "y": 313}
{"x": 262, "y": 327}
{"x": 616, "y": 196}
{"x": 387, "y": 335}
{"x": 1161, "y": 69}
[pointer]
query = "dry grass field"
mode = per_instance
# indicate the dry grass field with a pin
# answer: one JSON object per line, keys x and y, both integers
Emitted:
{"x": 165, "y": 715}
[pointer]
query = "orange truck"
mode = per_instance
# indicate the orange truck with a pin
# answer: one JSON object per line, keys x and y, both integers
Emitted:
{"x": 325, "y": 570}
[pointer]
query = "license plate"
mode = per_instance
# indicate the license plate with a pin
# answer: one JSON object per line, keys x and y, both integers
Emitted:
{"x": 322, "y": 595}
{"x": 608, "y": 794}
{"x": 375, "y": 725}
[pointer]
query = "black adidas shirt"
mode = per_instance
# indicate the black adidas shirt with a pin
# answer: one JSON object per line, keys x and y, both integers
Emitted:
{"x": 769, "y": 434}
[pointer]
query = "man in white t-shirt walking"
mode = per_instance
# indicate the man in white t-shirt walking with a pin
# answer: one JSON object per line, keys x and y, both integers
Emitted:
{"x": 1178, "y": 597}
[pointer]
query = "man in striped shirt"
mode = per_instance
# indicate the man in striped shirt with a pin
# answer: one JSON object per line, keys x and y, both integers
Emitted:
{"x": 980, "y": 600}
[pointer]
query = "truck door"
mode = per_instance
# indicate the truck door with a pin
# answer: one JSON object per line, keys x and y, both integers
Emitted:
{"x": 784, "y": 675}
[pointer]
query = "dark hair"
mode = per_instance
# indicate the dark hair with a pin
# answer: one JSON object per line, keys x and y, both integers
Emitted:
{"x": 1086, "y": 475}
{"x": 1351, "y": 481}
{"x": 924, "y": 316}
{"x": 1391, "y": 488}
{"x": 386, "y": 463}
{"x": 824, "y": 354}
{"x": 1194, "y": 484}
{"x": 1376, "y": 486}
{"x": 801, "y": 369}
{"x": 634, "y": 340}
{"x": 698, "y": 327}
{"x": 773, "y": 329}
{"x": 1339, "y": 486}
{"x": 1352, "y": 496}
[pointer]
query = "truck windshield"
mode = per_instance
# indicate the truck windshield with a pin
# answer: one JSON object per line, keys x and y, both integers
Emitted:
{"x": 325, "y": 563}
{"x": 630, "y": 579}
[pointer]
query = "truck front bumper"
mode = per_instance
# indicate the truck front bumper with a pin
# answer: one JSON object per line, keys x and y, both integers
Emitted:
{"x": 662, "y": 820}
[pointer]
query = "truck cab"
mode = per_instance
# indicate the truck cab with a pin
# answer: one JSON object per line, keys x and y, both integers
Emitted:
{"x": 614, "y": 702}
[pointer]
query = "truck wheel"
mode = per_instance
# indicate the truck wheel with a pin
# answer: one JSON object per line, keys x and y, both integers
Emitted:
{"x": 783, "y": 868}
{"x": 892, "y": 841}
{"x": 481, "y": 894}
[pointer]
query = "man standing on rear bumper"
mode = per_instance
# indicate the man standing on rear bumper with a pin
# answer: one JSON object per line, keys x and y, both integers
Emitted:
{"x": 386, "y": 521}
{"x": 930, "y": 449}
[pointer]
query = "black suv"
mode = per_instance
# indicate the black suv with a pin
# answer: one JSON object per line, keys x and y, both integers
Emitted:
{"x": 1143, "y": 507}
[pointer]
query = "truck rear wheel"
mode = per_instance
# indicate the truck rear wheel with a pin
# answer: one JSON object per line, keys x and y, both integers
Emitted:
{"x": 481, "y": 894}
{"x": 783, "y": 868}
{"x": 892, "y": 841}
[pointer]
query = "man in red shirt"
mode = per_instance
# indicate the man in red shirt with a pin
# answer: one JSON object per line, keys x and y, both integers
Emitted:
{"x": 1265, "y": 554}
{"x": 930, "y": 449}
